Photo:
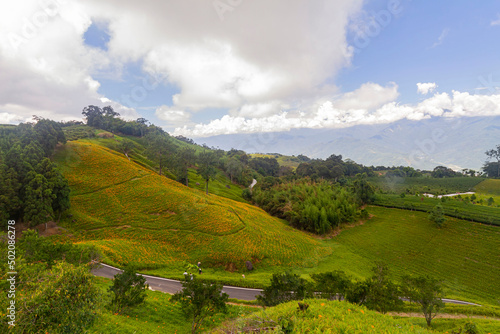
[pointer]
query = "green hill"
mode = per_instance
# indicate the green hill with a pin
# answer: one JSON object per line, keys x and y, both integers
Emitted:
{"x": 136, "y": 216}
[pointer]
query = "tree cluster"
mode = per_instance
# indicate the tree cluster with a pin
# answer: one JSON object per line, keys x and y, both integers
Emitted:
{"x": 331, "y": 168}
{"x": 311, "y": 206}
{"x": 378, "y": 292}
{"x": 31, "y": 186}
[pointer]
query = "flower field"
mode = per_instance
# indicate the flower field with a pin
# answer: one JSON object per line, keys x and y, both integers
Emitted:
{"x": 136, "y": 216}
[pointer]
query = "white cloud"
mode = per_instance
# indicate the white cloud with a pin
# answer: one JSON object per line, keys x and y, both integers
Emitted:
{"x": 441, "y": 37}
{"x": 496, "y": 22}
{"x": 46, "y": 68}
{"x": 328, "y": 115}
{"x": 426, "y": 88}
{"x": 172, "y": 117}
{"x": 369, "y": 96}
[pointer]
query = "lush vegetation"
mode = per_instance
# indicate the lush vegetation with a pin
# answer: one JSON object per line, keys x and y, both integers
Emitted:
{"x": 316, "y": 207}
{"x": 137, "y": 217}
{"x": 321, "y": 316}
{"x": 31, "y": 187}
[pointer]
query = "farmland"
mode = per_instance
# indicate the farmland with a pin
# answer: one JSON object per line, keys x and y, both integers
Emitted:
{"x": 135, "y": 216}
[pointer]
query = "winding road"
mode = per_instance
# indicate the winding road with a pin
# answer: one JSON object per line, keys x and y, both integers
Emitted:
{"x": 172, "y": 286}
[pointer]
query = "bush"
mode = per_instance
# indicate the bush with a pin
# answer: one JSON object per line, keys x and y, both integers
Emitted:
{"x": 284, "y": 288}
{"x": 128, "y": 289}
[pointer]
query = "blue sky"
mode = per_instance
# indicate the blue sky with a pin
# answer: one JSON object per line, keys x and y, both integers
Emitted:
{"x": 204, "y": 67}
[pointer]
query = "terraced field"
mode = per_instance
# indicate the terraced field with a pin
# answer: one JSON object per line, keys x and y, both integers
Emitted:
{"x": 464, "y": 255}
{"x": 136, "y": 216}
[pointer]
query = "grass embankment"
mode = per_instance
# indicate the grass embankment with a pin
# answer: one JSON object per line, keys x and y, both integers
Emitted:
{"x": 137, "y": 217}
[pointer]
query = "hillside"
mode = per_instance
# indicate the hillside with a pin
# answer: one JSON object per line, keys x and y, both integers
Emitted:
{"x": 136, "y": 216}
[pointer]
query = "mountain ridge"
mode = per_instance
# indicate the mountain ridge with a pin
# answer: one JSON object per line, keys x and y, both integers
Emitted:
{"x": 453, "y": 142}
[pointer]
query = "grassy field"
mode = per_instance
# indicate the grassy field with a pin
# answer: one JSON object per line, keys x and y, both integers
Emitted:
{"x": 135, "y": 216}
{"x": 451, "y": 206}
{"x": 464, "y": 255}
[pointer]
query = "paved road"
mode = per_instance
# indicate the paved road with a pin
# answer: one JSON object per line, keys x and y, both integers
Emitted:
{"x": 172, "y": 286}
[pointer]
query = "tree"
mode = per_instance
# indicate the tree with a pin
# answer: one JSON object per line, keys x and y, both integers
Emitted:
{"x": 383, "y": 295}
{"x": 206, "y": 168}
{"x": 363, "y": 189}
{"x": 158, "y": 147}
{"x": 185, "y": 157}
{"x": 495, "y": 154}
{"x": 234, "y": 167}
{"x": 38, "y": 200}
{"x": 66, "y": 302}
{"x": 427, "y": 292}
{"x": 126, "y": 146}
{"x": 199, "y": 300}
{"x": 94, "y": 116}
{"x": 437, "y": 215}
{"x": 331, "y": 285}
{"x": 284, "y": 288}
{"x": 128, "y": 289}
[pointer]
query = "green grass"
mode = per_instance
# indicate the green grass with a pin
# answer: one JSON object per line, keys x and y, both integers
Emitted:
{"x": 219, "y": 186}
{"x": 158, "y": 314}
{"x": 283, "y": 160}
{"x": 462, "y": 254}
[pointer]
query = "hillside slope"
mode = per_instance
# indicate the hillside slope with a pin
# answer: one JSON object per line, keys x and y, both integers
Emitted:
{"x": 136, "y": 216}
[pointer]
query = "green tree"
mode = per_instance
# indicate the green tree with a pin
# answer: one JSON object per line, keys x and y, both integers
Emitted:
{"x": 383, "y": 295}
{"x": 66, "y": 302}
{"x": 206, "y": 166}
{"x": 437, "y": 215}
{"x": 200, "y": 300}
{"x": 363, "y": 189}
{"x": 185, "y": 158}
{"x": 234, "y": 168}
{"x": 427, "y": 292}
{"x": 331, "y": 285}
{"x": 38, "y": 200}
{"x": 494, "y": 154}
{"x": 284, "y": 288}
{"x": 126, "y": 146}
{"x": 128, "y": 289}
{"x": 94, "y": 116}
{"x": 159, "y": 145}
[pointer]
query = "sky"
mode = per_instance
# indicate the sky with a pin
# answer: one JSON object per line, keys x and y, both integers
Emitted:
{"x": 207, "y": 67}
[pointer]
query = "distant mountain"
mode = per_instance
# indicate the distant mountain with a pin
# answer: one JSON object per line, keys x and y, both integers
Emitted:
{"x": 454, "y": 142}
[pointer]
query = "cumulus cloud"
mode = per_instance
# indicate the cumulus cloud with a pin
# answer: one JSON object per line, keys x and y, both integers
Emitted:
{"x": 46, "y": 68}
{"x": 426, "y": 88}
{"x": 172, "y": 117}
{"x": 328, "y": 115}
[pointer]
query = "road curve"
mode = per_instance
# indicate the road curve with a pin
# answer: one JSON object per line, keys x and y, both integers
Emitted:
{"x": 172, "y": 286}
